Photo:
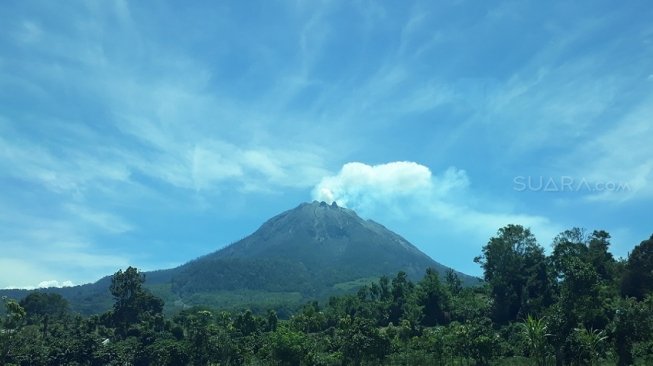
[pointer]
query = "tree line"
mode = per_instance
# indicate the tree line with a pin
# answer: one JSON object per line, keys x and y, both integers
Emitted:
{"x": 577, "y": 305}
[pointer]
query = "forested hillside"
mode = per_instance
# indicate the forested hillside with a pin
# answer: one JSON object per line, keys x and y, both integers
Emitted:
{"x": 575, "y": 306}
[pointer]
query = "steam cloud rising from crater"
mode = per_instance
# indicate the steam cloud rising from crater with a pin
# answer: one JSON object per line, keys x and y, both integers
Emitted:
{"x": 357, "y": 183}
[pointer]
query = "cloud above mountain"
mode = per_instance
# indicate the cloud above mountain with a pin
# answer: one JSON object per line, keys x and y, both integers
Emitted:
{"x": 408, "y": 191}
{"x": 357, "y": 183}
{"x": 359, "y": 186}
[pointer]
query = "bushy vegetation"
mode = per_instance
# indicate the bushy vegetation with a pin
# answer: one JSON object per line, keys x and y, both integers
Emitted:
{"x": 576, "y": 306}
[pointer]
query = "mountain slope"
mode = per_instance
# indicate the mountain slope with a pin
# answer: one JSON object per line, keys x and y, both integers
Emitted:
{"x": 310, "y": 252}
{"x": 309, "y": 249}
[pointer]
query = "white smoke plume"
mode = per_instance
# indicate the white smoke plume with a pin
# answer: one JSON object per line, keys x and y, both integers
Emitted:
{"x": 359, "y": 184}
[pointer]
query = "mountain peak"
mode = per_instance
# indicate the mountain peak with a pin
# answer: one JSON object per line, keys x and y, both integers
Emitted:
{"x": 321, "y": 204}
{"x": 325, "y": 204}
{"x": 331, "y": 244}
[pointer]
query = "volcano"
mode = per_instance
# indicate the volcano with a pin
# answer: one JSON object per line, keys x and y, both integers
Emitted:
{"x": 310, "y": 249}
{"x": 311, "y": 252}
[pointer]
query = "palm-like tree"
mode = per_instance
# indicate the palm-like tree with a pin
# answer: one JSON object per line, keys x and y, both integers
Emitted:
{"x": 590, "y": 342}
{"x": 534, "y": 331}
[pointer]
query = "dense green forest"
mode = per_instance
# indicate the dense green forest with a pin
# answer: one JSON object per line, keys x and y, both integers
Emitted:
{"x": 578, "y": 305}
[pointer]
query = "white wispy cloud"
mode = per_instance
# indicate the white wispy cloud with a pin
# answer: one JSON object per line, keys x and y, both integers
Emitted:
{"x": 156, "y": 116}
{"x": 106, "y": 221}
{"x": 179, "y": 130}
{"x": 60, "y": 244}
{"x": 621, "y": 156}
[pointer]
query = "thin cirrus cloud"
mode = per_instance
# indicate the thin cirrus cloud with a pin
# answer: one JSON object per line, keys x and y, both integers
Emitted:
{"x": 623, "y": 158}
{"x": 128, "y": 129}
{"x": 158, "y": 133}
{"x": 56, "y": 241}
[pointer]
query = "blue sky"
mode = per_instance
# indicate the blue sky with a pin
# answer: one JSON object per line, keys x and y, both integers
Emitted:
{"x": 149, "y": 133}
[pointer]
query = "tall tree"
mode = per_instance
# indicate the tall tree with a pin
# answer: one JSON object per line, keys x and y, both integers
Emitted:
{"x": 632, "y": 323}
{"x": 598, "y": 253}
{"x": 453, "y": 282}
{"x": 12, "y": 321}
{"x": 15, "y": 314}
{"x": 568, "y": 246}
{"x": 360, "y": 340}
{"x": 133, "y": 302}
{"x": 434, "y": 298}
{"x": 584, "y": 269}
{"x": 402, "y": 288}
{"x": 39, "y": 304}
{"x": 514, "y": 266}
{"x": 638, "y": 276}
